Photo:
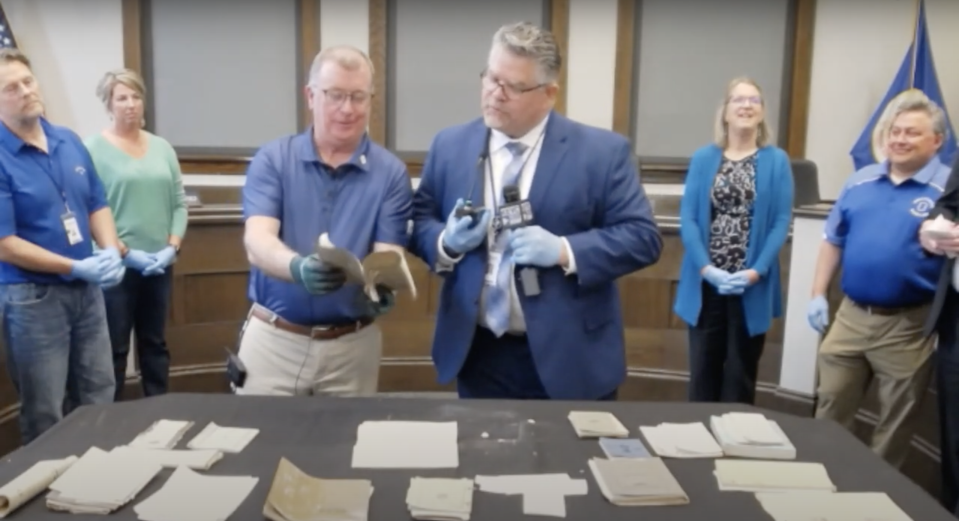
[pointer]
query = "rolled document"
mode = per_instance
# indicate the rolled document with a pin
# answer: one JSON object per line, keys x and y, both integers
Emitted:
{"x": 31, "y": 483}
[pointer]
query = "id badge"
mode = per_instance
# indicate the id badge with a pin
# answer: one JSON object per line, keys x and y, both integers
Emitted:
{"x": 492, "y": 272}
{"x": 72, "y": 228}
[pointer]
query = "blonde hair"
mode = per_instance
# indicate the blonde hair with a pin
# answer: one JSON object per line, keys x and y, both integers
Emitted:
{"x": 346, "y": 56}
{"x": 111, "y": 79}
{"x": 721, "y": 133}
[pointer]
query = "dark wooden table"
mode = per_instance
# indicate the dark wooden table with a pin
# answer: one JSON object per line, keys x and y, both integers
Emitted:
{"x": 317, "y": 435}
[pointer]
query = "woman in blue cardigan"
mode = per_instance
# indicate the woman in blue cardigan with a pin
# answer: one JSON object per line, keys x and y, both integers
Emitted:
{"x": 734, "y": 218}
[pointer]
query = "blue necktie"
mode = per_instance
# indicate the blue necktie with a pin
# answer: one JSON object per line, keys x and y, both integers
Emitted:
{"x": 497, "y": 297}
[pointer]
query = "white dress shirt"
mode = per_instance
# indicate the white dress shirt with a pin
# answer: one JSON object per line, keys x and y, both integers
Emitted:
{"x": 499, "y": 158}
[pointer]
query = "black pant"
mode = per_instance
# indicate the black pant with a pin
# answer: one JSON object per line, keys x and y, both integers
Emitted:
{"x": 140, "y": 304}
{"x": 947, "y": 389}
{"x": 502, "y": 368}
{"x": 723, "y": 358}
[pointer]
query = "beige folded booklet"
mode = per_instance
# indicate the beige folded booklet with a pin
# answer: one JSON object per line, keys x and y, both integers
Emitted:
{"x": 388, "y": 268}
{"x": 297, "y": 496}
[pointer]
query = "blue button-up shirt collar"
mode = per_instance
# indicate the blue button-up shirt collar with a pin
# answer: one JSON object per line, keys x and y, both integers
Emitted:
{"x": 306, "y": 151}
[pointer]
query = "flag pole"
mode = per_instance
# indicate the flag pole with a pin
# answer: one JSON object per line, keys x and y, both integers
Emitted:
{"x": 915, "y": 45}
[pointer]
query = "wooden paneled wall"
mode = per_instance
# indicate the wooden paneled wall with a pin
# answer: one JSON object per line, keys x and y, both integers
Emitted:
{"x": 209, "y": 305}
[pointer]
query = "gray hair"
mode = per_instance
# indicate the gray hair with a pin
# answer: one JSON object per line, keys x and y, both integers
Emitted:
{"x": 346, "y": 56}
{"x": 530, "y": 41}
{"x": 912, "y": 100}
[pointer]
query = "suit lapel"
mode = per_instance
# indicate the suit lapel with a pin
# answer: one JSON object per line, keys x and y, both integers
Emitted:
{"x": 550, "y": 159}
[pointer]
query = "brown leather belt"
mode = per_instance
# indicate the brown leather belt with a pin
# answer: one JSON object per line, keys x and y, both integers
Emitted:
{"x": 884, "y": 312}
{"x": 314, "y": 332}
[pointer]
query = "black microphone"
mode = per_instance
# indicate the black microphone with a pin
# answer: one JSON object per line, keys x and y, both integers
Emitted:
{"x": 468, "y": 209}
{"x": 515, "y": 211}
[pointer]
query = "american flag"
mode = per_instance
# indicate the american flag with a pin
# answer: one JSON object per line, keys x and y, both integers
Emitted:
{"x": 6, "y": 35}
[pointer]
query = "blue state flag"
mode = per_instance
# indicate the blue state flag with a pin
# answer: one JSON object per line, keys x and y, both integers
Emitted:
{"x": 6, "y": 34}
{"x": 916, "y": 72}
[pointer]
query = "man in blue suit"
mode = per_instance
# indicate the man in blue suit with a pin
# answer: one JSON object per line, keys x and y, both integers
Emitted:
{"x": 498, "y": 333}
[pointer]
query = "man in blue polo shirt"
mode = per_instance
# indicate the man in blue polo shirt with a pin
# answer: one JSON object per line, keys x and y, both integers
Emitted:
{"x": 52, "y": 207}
{"x": 887, "y": 279}
{"x": 307, "y": 333}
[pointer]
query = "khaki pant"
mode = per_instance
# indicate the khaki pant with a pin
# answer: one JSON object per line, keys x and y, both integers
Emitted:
{"x": 861, "y": 345}
{"x": 282, "y": 363}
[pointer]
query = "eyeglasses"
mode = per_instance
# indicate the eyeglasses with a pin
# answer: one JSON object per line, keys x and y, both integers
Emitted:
{"x": 741, "y": 100}
{"x": 509, "y": 90}
{"x": 338, "y": 97}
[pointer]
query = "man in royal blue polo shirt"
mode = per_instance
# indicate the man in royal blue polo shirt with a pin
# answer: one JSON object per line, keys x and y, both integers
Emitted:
{"x": 52, "y": 207}
{"x": 887, "y": 279}
{"x": 307, "y": 333}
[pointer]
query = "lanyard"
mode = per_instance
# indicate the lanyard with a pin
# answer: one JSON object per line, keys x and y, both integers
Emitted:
{"x": 58, "y": 184}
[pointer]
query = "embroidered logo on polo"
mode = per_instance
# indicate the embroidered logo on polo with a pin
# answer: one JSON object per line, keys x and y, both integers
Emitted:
{"x": 921, "y": 206}
{"x": 80, "y": 170}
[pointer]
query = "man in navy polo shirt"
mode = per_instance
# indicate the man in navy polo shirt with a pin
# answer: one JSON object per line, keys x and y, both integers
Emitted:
{"x": 887, "y": 279}
{"x": 307, "y": 333}
{"x": 52, "y": 207}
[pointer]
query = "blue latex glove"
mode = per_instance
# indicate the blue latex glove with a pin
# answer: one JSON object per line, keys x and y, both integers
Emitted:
{"x": 736, "y": 284}
{"x": 718, "y": 278}
{"x": 317, "y": 278}
{"x": 373, "y": 308}
{"x": 162, "y": 260}
{"x": 87, "y": 269}
{"x": 138, "y": 260}
{"x": 818, "y": 313}
{"x": 534, "y": 246}
{"x": 462, "y": 234}
{"x": 111, "y": 267}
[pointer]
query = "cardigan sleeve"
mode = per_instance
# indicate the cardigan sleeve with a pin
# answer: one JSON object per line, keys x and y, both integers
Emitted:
{"x": 690, "y": 209}
{"x": 782, "y": 215}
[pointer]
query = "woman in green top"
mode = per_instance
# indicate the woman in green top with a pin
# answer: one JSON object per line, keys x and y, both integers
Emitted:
{"x": 141, "y": 174}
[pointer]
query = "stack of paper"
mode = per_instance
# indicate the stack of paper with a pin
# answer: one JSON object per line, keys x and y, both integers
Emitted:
{"x": 637, "y": 482}
{"x": 297, "y": 496}
{"x": 682, "y": 440}
{"x": 751, "y": 435}
{"x": 440, "y": 499}
{"x": 623, "y": 448}
{"x": 100, "y": 482}
{"x": 225, "y": 439}
{"x": 406, "y": 444}
{"x": 195, "y": 497}
{"x": 772, "y": 476}
{"x": 596, "y": 424}
{"x": 829, "y": 506}
{"x": 171, "y": 459}
{"x": 543, "y": 494}
{"x": 163, "y": 434}
{"x": 32, "y": 482}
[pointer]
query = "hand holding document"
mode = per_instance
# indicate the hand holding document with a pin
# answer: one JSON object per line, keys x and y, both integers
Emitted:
{"x": 388, "y": 268}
